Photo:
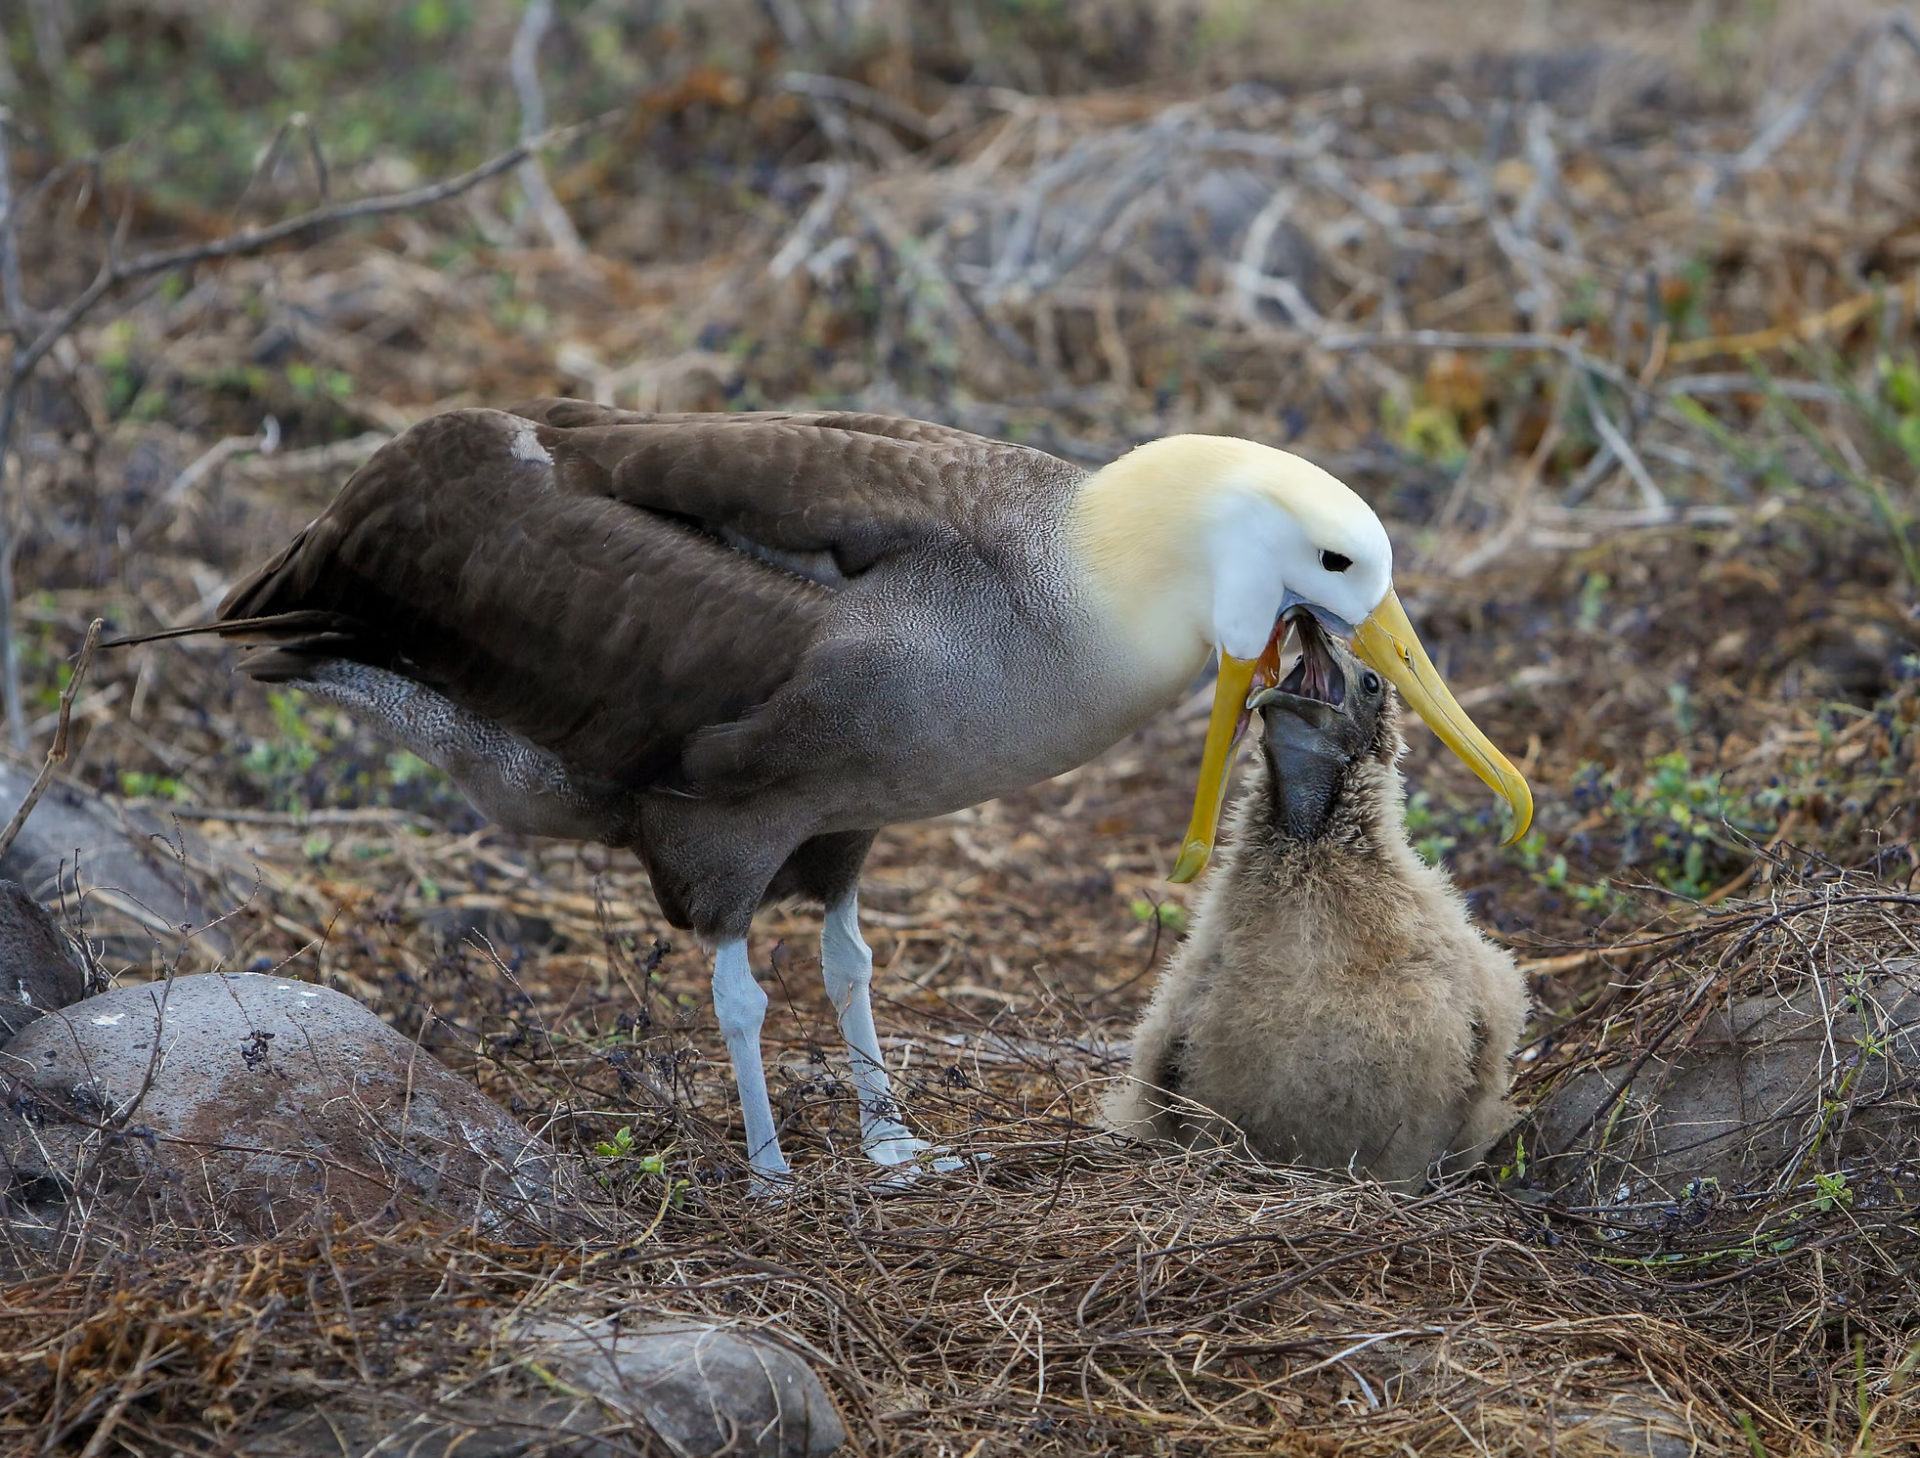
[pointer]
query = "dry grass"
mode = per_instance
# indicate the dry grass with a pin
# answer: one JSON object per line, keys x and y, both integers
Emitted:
{"x": 1667, "y": 515}
{"x": 1071, "y": 1294}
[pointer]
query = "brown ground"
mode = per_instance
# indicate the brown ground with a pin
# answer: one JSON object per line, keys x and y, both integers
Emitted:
{"x": 1723, "y": 671}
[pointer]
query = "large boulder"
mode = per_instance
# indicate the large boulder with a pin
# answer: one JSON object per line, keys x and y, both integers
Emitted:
{"x": 150, "y": 886}
{"x": 1771, "y": 1087}
{"x": 235, "y": 1104}
{"x": 39, "y": 968}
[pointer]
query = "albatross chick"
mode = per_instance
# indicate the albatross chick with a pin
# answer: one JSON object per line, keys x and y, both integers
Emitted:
{"x": 1333, "y": 1005}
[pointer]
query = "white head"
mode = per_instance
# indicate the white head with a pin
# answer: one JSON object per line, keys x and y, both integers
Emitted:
{"x": 1285, "y": 534}
{"x": 1202, "y": 543}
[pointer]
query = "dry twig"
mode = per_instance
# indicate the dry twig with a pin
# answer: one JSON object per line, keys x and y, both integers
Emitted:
{"x": 56, "y": 751}
{"x": 116, "y": 271}
{"x": 523, "y": 65}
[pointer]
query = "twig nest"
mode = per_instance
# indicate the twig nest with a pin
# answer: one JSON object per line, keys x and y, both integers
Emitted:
{"x": 249, "y": 1105}
{"x": 39, "y": 969}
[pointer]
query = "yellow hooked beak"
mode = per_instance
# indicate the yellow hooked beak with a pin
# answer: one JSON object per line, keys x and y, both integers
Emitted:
{"x": 1386, "y": 641}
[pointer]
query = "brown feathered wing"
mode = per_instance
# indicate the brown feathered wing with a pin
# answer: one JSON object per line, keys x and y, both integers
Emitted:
{"x": 607, "y": 584}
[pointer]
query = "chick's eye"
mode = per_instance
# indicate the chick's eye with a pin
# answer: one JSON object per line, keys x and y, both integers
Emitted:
{"x": 1335, "y": 561}
{"x": 1370, "y": 682}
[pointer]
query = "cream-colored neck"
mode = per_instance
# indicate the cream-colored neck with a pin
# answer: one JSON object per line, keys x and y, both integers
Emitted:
{"x": 1154, "y": 532}
{"x": 1139, "y": 536}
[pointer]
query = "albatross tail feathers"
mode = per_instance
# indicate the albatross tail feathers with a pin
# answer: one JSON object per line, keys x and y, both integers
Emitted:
{"x": 307, "y": 629}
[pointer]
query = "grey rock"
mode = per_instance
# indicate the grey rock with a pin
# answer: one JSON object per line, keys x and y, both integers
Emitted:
{"x": 487, "y": 1428}
{"x": 680, "y": 1386}
{"x": 39, "y": 968}
{"x": 1630, "y": 1425}
{"x": 243, "y": 1104}
{"x": 1755, "y": 1096}
{"x": 703, "y": 1388}
{"x": 144, "y": 877}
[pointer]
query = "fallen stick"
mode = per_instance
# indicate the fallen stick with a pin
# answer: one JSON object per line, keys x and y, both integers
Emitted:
{"x": 1840, "y": 316}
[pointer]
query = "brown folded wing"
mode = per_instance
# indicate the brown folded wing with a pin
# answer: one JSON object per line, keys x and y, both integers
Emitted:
{"x": 608, "y": 584}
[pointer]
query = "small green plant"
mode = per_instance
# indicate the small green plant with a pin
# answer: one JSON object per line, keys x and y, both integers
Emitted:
{"x": 1554, "y": 874}
{"x": 625, "y": 1164}
{"x": 1428, "y": 431}
{"x": 1517, "y": 1168}
{"x": 404, "y": 767}
{"x": 281, "y": 763}
{"x": 1900, "y": 391}
{"x": 309, "y": 383}
{"x": 118, "y": 367}
{"x": 618, "y": 1147}
{"x": 1685, "y": 714}
{"x": 1593, "y": 600}
{"x": 1170, "y": 914}
{"x": 1831, "y": 1190}
{"x": 1678, "y": 824}
{"x": 318, "y": 757}
{"x": 1891, "y": 518}
{"x": 1425, "y": 826}
{"x": 141, "y": 785}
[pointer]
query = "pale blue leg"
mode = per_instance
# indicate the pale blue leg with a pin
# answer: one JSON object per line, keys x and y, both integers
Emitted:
{"x": 846, "y": 965}
{"x": 740, "y": 1005}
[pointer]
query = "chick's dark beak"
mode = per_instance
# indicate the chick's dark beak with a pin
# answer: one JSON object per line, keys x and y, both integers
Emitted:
{"x": 1312, "y": 731}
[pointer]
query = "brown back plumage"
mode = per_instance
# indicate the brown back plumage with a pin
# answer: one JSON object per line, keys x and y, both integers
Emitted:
{"x": 609, "y": 585}
{"x": 1333, "y": 1005}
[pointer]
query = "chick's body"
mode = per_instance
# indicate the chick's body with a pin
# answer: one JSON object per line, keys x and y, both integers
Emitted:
{"x": 1334, "y": 1004}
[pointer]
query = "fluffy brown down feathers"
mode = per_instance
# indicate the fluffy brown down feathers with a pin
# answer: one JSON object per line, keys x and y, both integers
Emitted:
{"x": 1333, "y": 1004}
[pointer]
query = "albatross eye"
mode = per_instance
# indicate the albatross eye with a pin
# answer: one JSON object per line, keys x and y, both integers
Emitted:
{"x": 1370, "y": 681}
{"x": 1335, "y": 561}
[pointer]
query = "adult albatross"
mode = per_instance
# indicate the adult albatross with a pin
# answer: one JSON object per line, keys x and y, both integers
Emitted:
{"x": 742, "y": 644}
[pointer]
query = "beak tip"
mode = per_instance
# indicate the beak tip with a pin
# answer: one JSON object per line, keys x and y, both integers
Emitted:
{"x": 1386, "y": 641}
{"x": 1194, "y": 856}
{"x": 1522, "y": 803}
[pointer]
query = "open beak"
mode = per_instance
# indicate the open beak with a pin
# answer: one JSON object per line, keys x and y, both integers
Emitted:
{"x": 1236, "y": 683}
{"x": 1387, "y": 642}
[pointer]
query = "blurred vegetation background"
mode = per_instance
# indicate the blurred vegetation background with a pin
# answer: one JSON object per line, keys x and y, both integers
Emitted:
{"x": 1608, "y": 306}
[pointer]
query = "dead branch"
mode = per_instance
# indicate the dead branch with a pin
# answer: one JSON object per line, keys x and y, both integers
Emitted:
{"x": 1793, "y": 115}
{"x": 12, "y": 295}
{"x": 855, "y": 93}
{"x": 523, "y": 65}
{"x": 57, "y": 751}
